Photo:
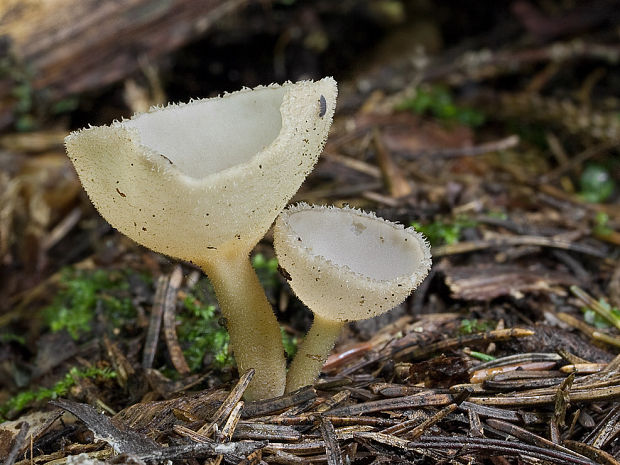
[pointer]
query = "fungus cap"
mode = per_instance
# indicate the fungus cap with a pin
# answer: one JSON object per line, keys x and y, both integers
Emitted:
{"x": 346, "y": 264}
{"x": 212, "y": 174}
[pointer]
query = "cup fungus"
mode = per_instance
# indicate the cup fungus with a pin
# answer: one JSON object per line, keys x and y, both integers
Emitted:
{"x": 345, "y": 265}
{"x": 202, "y": 182}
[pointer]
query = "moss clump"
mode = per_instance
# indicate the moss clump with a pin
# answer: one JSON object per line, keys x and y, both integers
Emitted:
{"x": 24, "y": 399}
{"x": 202, "y": 330}
{"x": 82, "y": 291}
{"x": 444, "y": 232}
{"x": 200, "y": 333}
{"x": 437, "y": 101}
{"x": 475, "y": 326}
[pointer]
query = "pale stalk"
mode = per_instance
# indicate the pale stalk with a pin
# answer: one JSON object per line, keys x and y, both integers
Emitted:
{"x": 254, "y": 331}
{"x": 312, "y": 353}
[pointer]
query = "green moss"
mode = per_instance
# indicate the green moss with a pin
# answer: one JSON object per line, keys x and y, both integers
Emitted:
{"x": 474, "y": 326}
{"x": 438, "y": 102}
{"x": 24, "y": 399}
{"x": 73, "y": 308}
{"x": 200, "y": 332}
{"x": 444, "y": 232}
{"x": 12, "y": 70}
{"x": 12, "y": 337}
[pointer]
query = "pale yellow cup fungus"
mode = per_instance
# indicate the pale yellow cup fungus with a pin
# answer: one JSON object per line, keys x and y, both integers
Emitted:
{"x": 345, "y": 265}
{"x": 202, "y": 182}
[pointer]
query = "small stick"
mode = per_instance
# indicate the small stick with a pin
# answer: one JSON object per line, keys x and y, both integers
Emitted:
{"x": 333, "y": 401}
{"x": 231, "y": 424}
{"x": 599, "y": 394}
{"x": 265, "y": 407}
{"x": 393, "y": 178}
{"x": 583, "y": 368}
{"x": 575, "y": 323}
{"x": 61, "y": 229}
{"x": 190, "y": 434}
{"x": 506, "y": 241}
{"x": 591, "y": 452}
{"x": 470, "y": 151}
{"x": 416, "y": 432}
{"x": 152, "y": 336}
{"x": 608, "y": 339}
{"x": 227, "y": 406}
{"x": 418, "y": 351}
{"x": 614, "y": 365}
{"x": 596, "y": 306}
{"x": 516, "y": 359}
{"x": 528, "y": 437}
{"x": 578, "y": 160}
{"x": 353, "y": 163}
{"x": 475, "y": 425}
{"x": 562, "y": 401}
{"x": 406, "y": 402}
{"x": 169, "y": 317}
{"x": 332, "y": 448}
{"x": 498, "y": 446}
{"x": 607, "y": 429}
{"x": 503, "y": 413}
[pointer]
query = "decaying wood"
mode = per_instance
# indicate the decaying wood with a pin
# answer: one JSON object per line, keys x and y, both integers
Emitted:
{"x": 486, "y": 282}
{"x": 123, "y": 441}
{"x": 67, "y": 47}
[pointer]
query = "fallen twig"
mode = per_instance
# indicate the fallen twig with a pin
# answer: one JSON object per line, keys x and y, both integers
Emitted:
{"x": 169, "y": 316}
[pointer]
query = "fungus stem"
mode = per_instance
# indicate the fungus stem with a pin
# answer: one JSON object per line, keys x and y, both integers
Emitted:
{"x": 312, "y": 353}
{"x": 252, "y": 326}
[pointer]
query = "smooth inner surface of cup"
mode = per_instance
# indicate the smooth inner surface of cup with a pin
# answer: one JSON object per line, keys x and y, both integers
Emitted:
{"x": 211, "y": 135}
{"x": 369, "y": 246}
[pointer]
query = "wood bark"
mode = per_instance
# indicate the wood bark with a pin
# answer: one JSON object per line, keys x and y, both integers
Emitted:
{"x": 65, "y": 47}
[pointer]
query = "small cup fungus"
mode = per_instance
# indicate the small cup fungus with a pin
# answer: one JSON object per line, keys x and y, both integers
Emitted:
{"x": 202, "y": 182}
{"x": 345, "y": 265}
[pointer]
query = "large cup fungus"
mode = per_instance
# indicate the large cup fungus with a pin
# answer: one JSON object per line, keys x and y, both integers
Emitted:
{"x": 345, "y": 265}
{"x": 202, "y": 182}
